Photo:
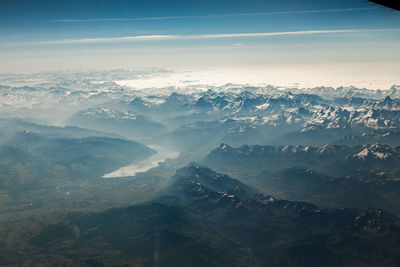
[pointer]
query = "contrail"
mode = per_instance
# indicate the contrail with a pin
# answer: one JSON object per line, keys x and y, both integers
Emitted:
{"x": 220, "y": 15}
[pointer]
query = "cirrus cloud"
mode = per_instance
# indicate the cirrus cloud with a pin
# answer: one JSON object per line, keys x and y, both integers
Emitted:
{"x": 204, "y": 36}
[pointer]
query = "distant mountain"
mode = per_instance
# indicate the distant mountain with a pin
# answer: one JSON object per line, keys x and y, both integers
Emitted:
{"x": 331, "y": 175}
{"x": 237, "y": 116}
{"x": 12, "y": 126}
{"x": 116, "y": 121}
{"x": 31, "y": 160}
{"x": 272, "y": 158}
{"x": 385, "y": 137}
{"x": 333, "y": 159}
{"x": 251, "y": 118}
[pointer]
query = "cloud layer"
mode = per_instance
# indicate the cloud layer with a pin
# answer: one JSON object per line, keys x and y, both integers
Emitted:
{"x": 203, "y": 36}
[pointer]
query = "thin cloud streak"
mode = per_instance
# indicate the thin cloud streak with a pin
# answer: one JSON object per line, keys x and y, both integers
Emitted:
{"x": 202, "y": 36}
{"x": 222, "y": 15}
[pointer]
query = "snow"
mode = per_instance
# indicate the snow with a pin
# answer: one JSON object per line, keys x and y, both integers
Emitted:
{"x": 381, "y": 155}
{"x": 263, "y": 106}
{"x": 363, "y": 154}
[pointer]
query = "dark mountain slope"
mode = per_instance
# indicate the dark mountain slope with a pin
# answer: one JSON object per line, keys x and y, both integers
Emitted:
{"x": 213, "y": 228}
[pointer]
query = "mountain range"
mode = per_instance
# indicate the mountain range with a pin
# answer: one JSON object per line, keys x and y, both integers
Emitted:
{"x": 210, "y": 219}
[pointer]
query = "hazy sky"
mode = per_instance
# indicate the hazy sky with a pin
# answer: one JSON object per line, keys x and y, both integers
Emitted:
{"x": 48, "y": 35}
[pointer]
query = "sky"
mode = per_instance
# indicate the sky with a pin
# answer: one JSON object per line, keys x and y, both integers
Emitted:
{"x": 47, "y": 35}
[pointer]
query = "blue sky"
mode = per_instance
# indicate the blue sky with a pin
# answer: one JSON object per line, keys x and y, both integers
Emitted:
{"x": 47, "y": 35}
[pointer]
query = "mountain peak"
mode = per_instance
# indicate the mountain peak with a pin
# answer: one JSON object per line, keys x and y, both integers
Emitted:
{"x": 195, "y": 179}
{"x": 387, "y": 99}
{"x": 224, "y": 147}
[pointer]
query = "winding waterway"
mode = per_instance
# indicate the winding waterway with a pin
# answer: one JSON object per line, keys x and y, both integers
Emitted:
{"x": 144, "y": 165}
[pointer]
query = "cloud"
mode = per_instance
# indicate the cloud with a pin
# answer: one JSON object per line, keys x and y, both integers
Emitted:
{"x": 202, "y": 36}
{"x": 294, "y": 12}
{"x": 110, "y": 39}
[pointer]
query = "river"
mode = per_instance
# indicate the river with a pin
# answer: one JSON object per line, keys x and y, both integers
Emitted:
{"x": 144, "y": 165}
